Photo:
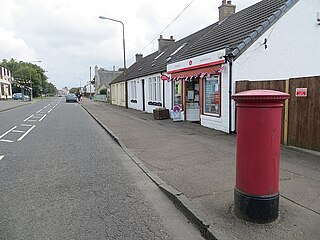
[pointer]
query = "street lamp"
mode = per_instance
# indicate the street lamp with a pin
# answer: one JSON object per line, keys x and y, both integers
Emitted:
{"x": 124, "y": 55}
{"x": 30, "y": 79}
{"x": 123, "y": 40}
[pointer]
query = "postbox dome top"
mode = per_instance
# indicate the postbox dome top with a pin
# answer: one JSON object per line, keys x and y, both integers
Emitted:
{"x": 260, "y": 95}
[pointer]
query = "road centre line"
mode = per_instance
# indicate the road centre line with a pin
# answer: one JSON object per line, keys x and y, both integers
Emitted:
{"x": 1, "y": 156}
{"x": 40, "y": 110}
{"x": 26, "y": 133}
{"x": 18, "y": 131}
{"x": 28, "y": 118}
{"x": 4, "y": 140}
{"x": 50, "y": 110}
{"x": 26, "y": 125}
{"x": 8, "y": 132}
{"x": 42, "y": 117}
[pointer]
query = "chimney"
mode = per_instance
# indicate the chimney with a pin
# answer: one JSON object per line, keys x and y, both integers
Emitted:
{"x": 139, "y": 56}
{"x": 226, "y": 9}
{"x": 164, "y": 42}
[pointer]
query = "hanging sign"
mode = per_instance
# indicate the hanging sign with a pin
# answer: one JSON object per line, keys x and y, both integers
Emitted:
{"x": 301, "y": 92}
{"x": 164, "y": 77}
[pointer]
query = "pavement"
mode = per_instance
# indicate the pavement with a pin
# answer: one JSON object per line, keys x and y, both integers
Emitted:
{"x": 195, "y": 167}
{"x": 11, "y": 104}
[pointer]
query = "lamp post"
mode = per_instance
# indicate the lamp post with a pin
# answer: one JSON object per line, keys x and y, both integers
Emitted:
{"x": 90, "y": 97}
{"x": 30, "y": 79}
{"x": 124, "y": 56}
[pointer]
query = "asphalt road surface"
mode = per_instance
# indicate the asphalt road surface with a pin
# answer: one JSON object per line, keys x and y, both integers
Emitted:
{"x": 63, "y": 177}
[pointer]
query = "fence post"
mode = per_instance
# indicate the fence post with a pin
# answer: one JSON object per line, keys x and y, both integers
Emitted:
{"x": 286, "y": 115}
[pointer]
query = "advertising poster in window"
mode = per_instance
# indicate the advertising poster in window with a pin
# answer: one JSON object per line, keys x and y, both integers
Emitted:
{"x": 212, "y": 95}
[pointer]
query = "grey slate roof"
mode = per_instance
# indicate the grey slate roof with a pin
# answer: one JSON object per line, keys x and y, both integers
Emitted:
{"x": 239, "y": 30}
{"x": 149, "y": 65}
{"x": 236, "y": 33}
{"x": 106, "y": 76}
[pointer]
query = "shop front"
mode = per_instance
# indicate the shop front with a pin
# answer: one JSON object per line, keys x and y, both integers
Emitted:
{"x": 197, "y": 85}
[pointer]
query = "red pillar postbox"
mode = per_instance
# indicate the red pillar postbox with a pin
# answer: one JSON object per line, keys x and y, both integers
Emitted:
{"x": 256, "y": 193}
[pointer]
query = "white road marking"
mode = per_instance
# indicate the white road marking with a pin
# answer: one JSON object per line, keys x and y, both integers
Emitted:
{"x": 28, "y": 118}
{"x": 8, "y": 132}
{"x": 31, "y": 120}
{"x": 18, "y": 131}
{"x": 40, "y": 110}
{"x": 42, "y": 117}
{"x": 45, "y": 107}
{"x": 5, "y": 140}
{"x": 26, "y": 133}
{"x": 26, "y": 125}
{"x": 50, "y": 110}
{"x": 1, "y": 156}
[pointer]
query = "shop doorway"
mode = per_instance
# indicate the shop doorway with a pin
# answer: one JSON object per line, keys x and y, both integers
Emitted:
{"x": 192, "y": 100}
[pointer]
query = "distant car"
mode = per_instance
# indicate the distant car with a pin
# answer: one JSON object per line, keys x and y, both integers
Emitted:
{"x": 71, "y": 97}
{"x": 17, "y": 96}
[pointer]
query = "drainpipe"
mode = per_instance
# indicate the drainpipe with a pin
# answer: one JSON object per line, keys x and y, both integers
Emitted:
{"x": 229, "y": 59}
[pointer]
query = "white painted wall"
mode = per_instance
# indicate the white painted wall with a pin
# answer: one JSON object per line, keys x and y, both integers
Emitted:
{"x": 293, "y": 47}
{"x": 220, "y": 123}
{"x": 139, "y": 104}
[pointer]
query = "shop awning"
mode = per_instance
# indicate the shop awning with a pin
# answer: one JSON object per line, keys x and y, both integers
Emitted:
{"x": 197, "y": 73}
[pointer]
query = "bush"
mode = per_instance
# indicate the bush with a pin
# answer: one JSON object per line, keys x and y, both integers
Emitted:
{"x": 103, "y": 91}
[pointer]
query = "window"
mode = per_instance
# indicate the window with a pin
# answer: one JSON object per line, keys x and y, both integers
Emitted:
{"x": 178, "y": 49}
{"x": 212, "y": 95}
{"x": 158, "y": 89}
{"x": 133, "y": 90}
{"x": 178, "y": 93}
{"x": 155, "y": 89}
{"x": 2, "y": 88}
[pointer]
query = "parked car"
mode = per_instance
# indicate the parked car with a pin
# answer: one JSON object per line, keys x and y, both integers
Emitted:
{"x": 71, "y": 97}
{"x": 17, "y": 96}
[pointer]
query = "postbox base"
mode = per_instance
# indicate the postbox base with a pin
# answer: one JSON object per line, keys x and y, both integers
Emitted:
{"x": 258, "y": 209}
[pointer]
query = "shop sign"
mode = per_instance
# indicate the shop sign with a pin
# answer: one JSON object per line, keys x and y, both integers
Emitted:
{"x": 164, "y": 77}
{"x": 206, "y": 60}
{"x": 301, "y": 92}
{"x": 176, "y": 113}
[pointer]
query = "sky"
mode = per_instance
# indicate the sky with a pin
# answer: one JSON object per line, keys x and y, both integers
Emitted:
{"x": 68, "y": 36}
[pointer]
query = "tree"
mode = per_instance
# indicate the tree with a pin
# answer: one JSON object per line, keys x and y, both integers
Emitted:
{"x": 74, "y": 90}
{"x": 27, "y": 75}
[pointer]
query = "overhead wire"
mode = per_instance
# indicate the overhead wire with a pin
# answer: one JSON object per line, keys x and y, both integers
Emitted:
{"x": 156, "y": 37}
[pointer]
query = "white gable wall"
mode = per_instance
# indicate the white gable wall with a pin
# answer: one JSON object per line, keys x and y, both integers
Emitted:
{"x": 292, "y": 47}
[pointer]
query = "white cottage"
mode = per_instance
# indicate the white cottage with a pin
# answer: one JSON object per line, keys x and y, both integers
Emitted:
{"x": 271, "y": 40}
{"x": 5, "y": 83}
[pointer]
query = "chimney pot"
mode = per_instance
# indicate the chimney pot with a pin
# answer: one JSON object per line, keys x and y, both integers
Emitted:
{"x": 139, "y": 56}
{"x": 226, "y": 9}
{"x": 164, "y": 42}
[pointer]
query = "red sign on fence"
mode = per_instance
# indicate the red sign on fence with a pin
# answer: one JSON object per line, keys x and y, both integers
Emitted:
{"x": 301, "y": 92}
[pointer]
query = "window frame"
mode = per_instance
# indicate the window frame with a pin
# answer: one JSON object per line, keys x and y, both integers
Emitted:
{"x": 204, "y": 96}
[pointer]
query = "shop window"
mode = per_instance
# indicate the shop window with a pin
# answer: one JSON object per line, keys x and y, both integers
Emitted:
{"x": 178, "y": 93}
{"x": 212, "y": 96}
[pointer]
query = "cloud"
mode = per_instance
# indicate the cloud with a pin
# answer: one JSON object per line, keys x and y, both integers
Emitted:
{"x": 11, "y": 46}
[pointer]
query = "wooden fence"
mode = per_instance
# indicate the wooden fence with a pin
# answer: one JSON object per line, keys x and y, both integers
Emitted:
{"x": 301, "y": 115}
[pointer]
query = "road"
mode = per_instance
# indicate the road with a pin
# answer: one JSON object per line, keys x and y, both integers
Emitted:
{"x": 63, "y": 177}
